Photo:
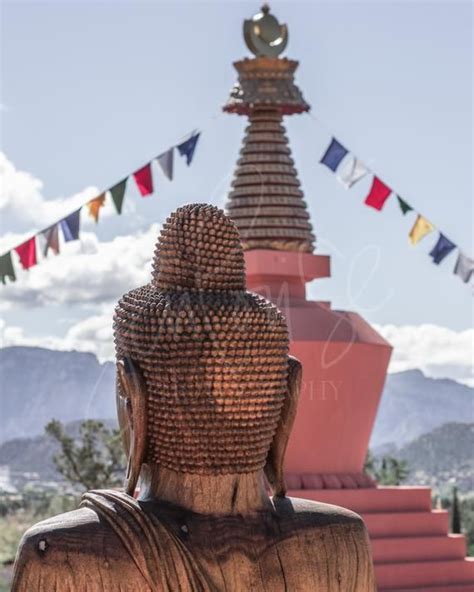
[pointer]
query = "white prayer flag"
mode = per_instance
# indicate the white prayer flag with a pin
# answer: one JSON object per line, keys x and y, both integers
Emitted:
{"x": 354, "y": 171}
{"x": 165, "y": 161}
{"x": 49, "y": 239}
{"x": 464, "y": 267}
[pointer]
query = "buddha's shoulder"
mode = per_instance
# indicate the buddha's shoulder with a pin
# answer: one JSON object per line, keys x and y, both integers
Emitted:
{"x": 307, "y": 515}
{"x": 74, "y": 551}
{"x": 79, "y": 532}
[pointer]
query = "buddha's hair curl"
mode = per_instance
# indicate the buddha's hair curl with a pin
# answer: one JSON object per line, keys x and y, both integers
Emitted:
{"x": 213, "y": 356}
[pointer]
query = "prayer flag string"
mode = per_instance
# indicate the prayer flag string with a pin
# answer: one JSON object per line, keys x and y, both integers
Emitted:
{"x": 48, "y": 239}
{"x": 351, "y": 170}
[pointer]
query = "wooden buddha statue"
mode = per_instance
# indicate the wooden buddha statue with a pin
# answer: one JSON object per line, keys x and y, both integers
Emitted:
{"x": 206, "y": 396}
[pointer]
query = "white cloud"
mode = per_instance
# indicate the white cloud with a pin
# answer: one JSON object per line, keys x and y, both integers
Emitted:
{"x": 93, "y": 334}
{"x": 86, "y": 272}
{"x": 24, "y": 207}
{"x": 438, "y": 351}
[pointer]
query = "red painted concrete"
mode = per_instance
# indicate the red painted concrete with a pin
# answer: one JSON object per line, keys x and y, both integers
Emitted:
{"x": 377, "y": 500}
{"x": 344, "y": 365}
{"x": 344, "y": 368}
{"x": 446, "y": 588}
{"x": 420, "y": 574}
{"x": 405, "y": 524}
{"x": 418, "y": 548}
{"x": 264, "y": 270}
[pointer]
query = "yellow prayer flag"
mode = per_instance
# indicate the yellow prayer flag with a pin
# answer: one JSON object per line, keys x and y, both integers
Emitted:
{"x": 420, "y": 229}
{"x": 94, "y": 206}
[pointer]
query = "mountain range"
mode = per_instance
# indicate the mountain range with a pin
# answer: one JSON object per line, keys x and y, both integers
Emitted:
{"x": 413, "y": 404}
{"x": 39, "y": 384}
{"x": 442, "y": 458}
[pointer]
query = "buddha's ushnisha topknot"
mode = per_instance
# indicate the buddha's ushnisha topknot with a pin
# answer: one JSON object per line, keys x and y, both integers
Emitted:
{"x": 199, "y": 249}
{"x": 213, "y": 356}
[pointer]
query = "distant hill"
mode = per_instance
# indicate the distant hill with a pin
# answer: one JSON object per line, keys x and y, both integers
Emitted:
{"x": 38, "y": 384}
{"x": 31, "y": 455}
{"x": 426, "y": 421}
{"x": 35, "y": 455}
{"x": 442, "y": 458}
{"x": 413, "y": 404}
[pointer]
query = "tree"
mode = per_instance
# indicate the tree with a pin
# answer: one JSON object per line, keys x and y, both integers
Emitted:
{"x": 386, "y": 471}
{"x": 455, "y": 513}
{"x": 370, "y": 464}
{"x": 92, "y": 460}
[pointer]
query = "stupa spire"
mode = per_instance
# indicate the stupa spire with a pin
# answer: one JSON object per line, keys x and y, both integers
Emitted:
{"x": 266, "y": 201}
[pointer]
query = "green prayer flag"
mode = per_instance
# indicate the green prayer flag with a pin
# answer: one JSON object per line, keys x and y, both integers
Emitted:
{"x": 404, "y": 206}
{"x": 118, "y": 193}
{"x": 6, "y": 268}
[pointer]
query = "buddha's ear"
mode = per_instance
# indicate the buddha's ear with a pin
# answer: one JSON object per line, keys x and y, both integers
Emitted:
{"x": 133, "y": 405}
{"x": 276, "y": 454}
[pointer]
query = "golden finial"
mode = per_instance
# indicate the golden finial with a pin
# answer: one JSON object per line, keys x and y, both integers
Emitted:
{"x": 264, "y": 35}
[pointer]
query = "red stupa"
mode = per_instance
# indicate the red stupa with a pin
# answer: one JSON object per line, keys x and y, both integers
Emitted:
{"x": 344, "y": 359}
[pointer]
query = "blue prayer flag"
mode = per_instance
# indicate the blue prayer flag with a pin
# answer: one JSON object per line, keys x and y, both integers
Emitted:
{"x": 333, "y": 155}
{"x": 70, "y": 226}
{"x": 187, "y": 148}
{"x": 441, "y": 249}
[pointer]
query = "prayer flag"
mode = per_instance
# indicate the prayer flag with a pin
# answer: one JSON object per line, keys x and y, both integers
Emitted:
{"x": 27, "y": 253}
{"x": 50, "y": 240}
{"x": 378, "y": 194}
{"x": 144, "y": 180}
{"x": 354, "y": 171}
{"x": 464, "y": 267}
{"x": 333, "y": 155}
{"x": 70, "y": 226}
{"x": 6, "y": 268}
{"x": 165, "y": 161}
{"x": 403, "y": 205}
{"x": 441, "y": 249}
{"x": 420, "y": 229}
{"x": 187, "y": 148}
{"x": 118, "y": 193}
{"x": 94, "y": 206}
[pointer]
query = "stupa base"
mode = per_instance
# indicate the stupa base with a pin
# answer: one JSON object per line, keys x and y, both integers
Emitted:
{"x": 411, "y": 544}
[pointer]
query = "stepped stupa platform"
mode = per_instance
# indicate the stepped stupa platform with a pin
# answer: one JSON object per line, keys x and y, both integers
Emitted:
{"x": 411, "y": 546}
{"x": 344, "y": 359}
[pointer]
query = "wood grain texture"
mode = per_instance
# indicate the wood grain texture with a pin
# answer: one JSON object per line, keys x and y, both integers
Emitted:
{"x": 276, "y": 455}
{"x": 294, "y": 546}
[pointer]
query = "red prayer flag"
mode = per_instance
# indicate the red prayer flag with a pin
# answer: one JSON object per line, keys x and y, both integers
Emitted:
{"x": 378, "y": 194}
{"x": 144, "y": 180}
{"x": 27, "y": 253}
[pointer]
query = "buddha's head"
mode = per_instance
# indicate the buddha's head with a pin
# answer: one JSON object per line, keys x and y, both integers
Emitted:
{"x": 210, "y": 357}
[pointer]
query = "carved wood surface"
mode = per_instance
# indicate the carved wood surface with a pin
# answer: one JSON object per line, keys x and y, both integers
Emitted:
{"x": 295, "y": 546}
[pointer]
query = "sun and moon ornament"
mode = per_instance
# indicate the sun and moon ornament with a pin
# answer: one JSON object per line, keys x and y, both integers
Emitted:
{"x": 264, "y": 35}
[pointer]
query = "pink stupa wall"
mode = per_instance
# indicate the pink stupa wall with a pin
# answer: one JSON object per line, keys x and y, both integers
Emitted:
{"x": 344, "y": 368}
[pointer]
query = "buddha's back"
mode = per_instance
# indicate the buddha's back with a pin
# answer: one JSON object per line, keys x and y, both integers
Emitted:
{"x": 296, "y": 546}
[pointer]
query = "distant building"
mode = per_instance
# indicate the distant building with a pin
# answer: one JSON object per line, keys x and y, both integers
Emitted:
{"x": 6, "y": 485}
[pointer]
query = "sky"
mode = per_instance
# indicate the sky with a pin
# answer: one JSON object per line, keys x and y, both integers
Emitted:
{"x": 93, "y": 90}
